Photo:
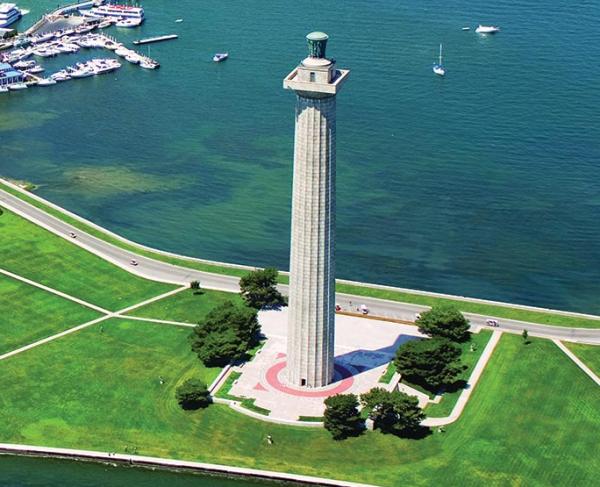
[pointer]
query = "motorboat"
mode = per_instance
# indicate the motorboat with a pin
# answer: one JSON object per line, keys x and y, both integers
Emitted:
{"x": 35, "y": 69}
{"x": 104, "y": 24}
{"x": 129, "y": 23}
{"x": 148, "y": 64}
{"x": 438, "y": 68}
{"x": 46, "y": 82}
{"x": 220, "y": 57}
{"x": 84, "y": 28}
{"x": 17, "y": 86}
{"x": 122, "y": 51}
{"x": 133, "y": 58}
{"x": 82, "y": 73}
{"x": 178, "y": 21}
{"x": 4, "y": 89}
{"x": 487, "y": 29}
{"x": 61, "y": 76}
{"x": 466, "y": 28}
{"x": 24, "y": 64}
{"x": 46, "y": 52}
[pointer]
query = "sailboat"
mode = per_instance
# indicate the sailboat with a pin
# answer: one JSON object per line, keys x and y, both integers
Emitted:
{"x": 439, "y": 67}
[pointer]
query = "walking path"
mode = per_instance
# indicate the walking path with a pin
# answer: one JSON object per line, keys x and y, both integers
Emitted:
{"x": 54, "y": 291}
{"x": 578, "y": 362}
{"x": 161, "y": 271}
{"x": 107, "y": 314}
{"x": 472, "y": 382}
{"x": 172, "y": 464}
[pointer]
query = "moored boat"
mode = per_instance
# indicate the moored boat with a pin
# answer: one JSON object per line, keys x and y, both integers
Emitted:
{"x": 17, "y": 86}
{"x": 129, "y": 23}
{"x": 9, "y": 14}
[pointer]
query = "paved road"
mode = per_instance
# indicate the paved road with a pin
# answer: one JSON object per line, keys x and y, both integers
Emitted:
{"x": 160, "y": 271}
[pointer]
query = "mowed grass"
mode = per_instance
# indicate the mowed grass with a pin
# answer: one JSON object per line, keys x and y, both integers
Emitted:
{"x": 532, "y": 420}
{"x": 468, "y": 358}
{"x": 30, "y": 314}
{"x": 188, "y": 306}
{"x": 35, "y": 253}
{"x": 588, "y": 354}
{"x": 544, "y": 318}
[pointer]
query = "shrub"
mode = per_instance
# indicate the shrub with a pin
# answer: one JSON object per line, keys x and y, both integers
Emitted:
{"x": 193, "y": 394}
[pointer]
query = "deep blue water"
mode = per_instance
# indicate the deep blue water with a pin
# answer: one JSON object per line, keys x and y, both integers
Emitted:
{"x": 485, "y": 183}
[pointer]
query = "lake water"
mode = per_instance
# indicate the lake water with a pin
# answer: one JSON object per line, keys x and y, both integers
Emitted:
{"x": 485, "y": 183}
{"x": 45, "y": 472}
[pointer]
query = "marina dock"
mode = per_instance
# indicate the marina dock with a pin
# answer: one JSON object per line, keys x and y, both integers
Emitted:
{"x": 149, "y": 40}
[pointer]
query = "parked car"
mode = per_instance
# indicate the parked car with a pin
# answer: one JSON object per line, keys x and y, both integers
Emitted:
{"x": 134, "y": 262}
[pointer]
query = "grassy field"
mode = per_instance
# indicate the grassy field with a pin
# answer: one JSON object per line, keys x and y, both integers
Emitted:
{"x": 187, "y": 306}
{"x": 406, "y": 297}
{"x": 533, "y": 419}
{"x": 588, "y": 354}
{"x": 469, "y": 358}
{"x": 32, "y": 252}
{"x": 34, "y": 314}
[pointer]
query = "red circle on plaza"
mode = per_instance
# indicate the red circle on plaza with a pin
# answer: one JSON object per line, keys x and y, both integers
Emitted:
{"x": 272, "y": 377}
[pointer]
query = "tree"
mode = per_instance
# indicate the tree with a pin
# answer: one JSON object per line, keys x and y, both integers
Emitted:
{"x": 341, "y": 416}
{"x": 431, "y": 362}
{"x": 393, "y": 412}
{"x": 258, "y": 288}
{"x": 226, "y": 333}
{"x": 195, "y": 285}
{"x": 193, "y": 394}
{"x": 444, "y": 321}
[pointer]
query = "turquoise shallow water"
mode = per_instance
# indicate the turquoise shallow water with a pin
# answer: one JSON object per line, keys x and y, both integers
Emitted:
{"x": 484, "y": 183}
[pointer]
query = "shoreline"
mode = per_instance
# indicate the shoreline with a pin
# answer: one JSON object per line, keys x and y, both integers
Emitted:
{"x": 223, "y": 267}
{"x": 173, "y": 465}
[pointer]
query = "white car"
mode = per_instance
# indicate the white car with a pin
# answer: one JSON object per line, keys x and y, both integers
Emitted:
{"x": 133, "y": 262}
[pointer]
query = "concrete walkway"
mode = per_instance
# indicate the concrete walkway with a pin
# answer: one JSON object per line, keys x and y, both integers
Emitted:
{"x": 471, "y": 383}
{"x": 578, "y": 362}
{"x": 168, "y": 463}
{"x": 54, "y": 291}
{"x": 107, "y": 314}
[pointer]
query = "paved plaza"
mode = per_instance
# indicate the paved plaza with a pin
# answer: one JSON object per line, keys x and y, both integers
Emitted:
{"x": 363, "y": 348}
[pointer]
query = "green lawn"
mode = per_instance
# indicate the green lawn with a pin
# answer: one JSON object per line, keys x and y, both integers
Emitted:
{"x": 588, "y": 354}
{"x": 30, "y": 314}
{"x": 533, "y": 419}
{"x": 186, "y": 306}
{"x": 35, "y": 253}
{"x": 469, "y": 358}
{"x": 406, "y": 297}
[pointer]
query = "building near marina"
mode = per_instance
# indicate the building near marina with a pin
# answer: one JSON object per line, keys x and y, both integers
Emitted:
{"x": 311, "y": 326}
{"x": 9, "y": 75}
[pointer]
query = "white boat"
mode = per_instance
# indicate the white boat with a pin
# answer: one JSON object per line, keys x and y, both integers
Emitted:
{"x": 82, "y": 73}
{"x": 122, "y": 51}
{"x": 3, "y": 89}
{"x": 487, "y": 29}
{"x": 24, "y": 64}
{"x": 60, "y": 76}
{"x": 220, "y": 56}
{"x": 466, "y": 28}
{"x": 148, "y": 64}
{"x": 438, "y": 68}
{"x": 35, "y": 69}
{"x": 129, "y": 23}
{"x": 178, "y": 21}
{"x": 117, "y": 11}
{"x": 84, "y": 29}
{"x": 46, "y": 82}
{"x": 17, "y": 86}
{"x": 46, "y": 52}
{"x": 133, "y": 58}
{"x": 104, "y": 24}
{"x": 9, "y": 14}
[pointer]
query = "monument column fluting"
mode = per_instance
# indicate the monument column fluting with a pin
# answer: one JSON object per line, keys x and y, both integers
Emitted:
{"x": 311, "y": 326}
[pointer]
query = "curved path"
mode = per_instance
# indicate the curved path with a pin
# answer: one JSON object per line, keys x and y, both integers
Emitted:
{"x": 161, "y": 271}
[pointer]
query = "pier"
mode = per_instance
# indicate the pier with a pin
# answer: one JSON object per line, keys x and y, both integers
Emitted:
{"x": 150, "y": 40}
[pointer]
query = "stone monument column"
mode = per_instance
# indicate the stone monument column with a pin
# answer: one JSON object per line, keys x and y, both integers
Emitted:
{"x": 311, "y": 326}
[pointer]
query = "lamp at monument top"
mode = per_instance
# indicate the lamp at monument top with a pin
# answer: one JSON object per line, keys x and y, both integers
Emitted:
{"x": 317, "y": 42}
